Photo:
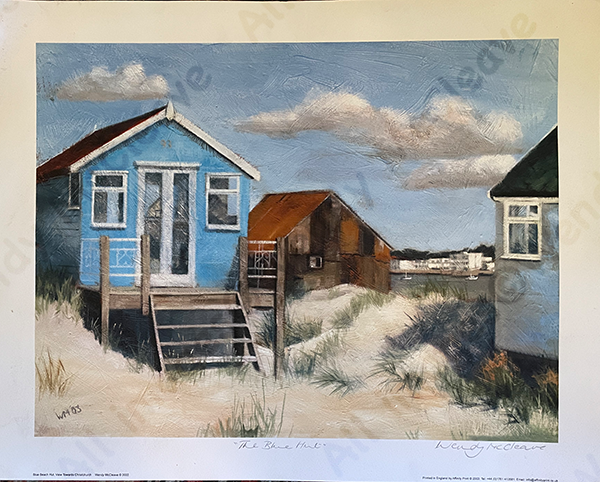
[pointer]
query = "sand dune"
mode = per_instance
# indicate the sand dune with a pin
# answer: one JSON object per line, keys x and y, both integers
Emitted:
{"x": 110, "y": 395}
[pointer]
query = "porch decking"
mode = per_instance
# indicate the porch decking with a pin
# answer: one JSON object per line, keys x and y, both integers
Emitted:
{"x": 130, "y": 297}
{"x": 196, "y": 325}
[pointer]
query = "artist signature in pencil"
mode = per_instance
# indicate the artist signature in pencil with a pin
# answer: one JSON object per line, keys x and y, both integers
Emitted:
{"x": 472, "y": 450}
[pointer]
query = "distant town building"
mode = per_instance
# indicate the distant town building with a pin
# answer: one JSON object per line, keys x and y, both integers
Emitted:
{"x": 440, "y": 264}
{"x": 461, "y": 262}
{"x": 467, "y": 261}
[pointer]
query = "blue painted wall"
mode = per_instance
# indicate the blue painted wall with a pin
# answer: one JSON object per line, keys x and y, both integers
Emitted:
{"x": 527, "y": 293}
{"x": 166, "y": 141}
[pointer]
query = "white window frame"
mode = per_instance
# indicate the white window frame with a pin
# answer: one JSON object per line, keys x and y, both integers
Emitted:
{"x": 122, "y": 189}
{"x": 528, "y": 219}
{"x": 315, "y": 262}
{"x": 71, "y": 205}
{"x": 209, "y": 191}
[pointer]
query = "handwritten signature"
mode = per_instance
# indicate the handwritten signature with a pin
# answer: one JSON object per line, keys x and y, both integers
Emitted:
{"x": 472, "y": 450}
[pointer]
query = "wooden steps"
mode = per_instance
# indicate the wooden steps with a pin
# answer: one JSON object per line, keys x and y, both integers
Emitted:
{"x": 201, "y": 329}
{"x": 206, "y": 342}
{"x": 210, "y": 360}
{"x": 204, "y": 325}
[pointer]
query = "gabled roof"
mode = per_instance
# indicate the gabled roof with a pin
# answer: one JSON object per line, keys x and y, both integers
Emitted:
{"x": 98, "y": 142}
{"x": 536, "y": 174}
{"x": 276, "y": 215}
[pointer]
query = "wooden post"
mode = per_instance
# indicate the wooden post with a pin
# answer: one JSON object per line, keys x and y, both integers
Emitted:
{"x": 280, "y": 307}
{"x": 145, "y": 281}
{"x": 243, "y": 282}
{"x": 104, "y": 287}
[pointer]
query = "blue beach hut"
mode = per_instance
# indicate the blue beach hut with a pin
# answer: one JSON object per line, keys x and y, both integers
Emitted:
{"x": 154, "y": 203}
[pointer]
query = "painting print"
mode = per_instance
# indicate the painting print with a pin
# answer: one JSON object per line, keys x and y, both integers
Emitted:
{"x": 309, "y": 240}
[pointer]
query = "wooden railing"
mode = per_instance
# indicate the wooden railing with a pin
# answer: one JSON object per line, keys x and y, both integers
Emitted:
{"x": 265, "y": 261}
{"x": 262, "y": 263}
{"x": 104, "y": 279}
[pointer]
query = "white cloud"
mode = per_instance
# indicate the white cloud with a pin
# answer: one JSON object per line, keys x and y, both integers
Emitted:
{"x": 483, "y": 171}
{"x": 447, "y": 128}
{"x": 128, "y": 82}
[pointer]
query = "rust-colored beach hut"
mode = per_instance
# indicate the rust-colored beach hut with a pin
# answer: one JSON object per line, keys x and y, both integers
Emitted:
{"x": 327, "y": 243}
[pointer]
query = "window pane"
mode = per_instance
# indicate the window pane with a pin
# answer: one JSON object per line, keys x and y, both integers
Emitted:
{"x": 179, "y": 261}
{"x": 179, "y": 258}
{"x": 74, "y": 189}
{"x": 516, "y": 238}
{"x": 181, "y": 197}
{"x": 233, "y": 183}
{"x": 153, "y": 194}
{"x": 112, "y": 207}
{"x": 533, "y": 210}
{"x": 100, "y": 204}
{"x": 219, "y": 182}
{"x": 232, "y": 204}
{"x": 121, "y": 205}
{"x": 532, "y": 238}
{"x": 219, "y": 212}
{"x": 517, "y": 211}
{"x": 153, "y": 217}
{"x": 109, "y": 180}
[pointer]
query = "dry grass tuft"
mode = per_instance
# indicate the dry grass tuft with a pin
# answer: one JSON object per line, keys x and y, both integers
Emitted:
{"x": 51, "y": 375}
{"x": 341, "y": 383}
{"x": 255, "y": 420}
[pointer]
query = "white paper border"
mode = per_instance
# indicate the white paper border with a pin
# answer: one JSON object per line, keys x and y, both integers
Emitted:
{"x": 577, "y": 455}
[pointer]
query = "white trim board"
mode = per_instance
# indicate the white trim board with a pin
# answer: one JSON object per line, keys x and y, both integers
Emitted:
{"x": 169, "y": 113}
{"x": 166, "y": 165}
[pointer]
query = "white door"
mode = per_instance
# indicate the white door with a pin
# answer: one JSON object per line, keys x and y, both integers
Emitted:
{"x": 166, "y": 214}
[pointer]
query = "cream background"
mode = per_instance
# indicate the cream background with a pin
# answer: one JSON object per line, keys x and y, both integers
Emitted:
{"x": 22, "y": 24}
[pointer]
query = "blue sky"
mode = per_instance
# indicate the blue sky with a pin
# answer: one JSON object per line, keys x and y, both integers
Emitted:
{"x": 410, "y": 134}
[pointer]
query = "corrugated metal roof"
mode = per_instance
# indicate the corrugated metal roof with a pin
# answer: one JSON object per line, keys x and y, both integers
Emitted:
{"x": 536, "y": 174}
{"x": 59, "y": 164}
{"x": 277, "y": 214}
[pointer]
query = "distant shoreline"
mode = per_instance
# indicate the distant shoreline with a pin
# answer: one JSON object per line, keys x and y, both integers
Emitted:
{"x": 444, "y": 272}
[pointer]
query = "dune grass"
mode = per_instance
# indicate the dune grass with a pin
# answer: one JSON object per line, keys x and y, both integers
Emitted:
{"x": 498, "y": 385}
{"x": 439, "y": 288}
{"x": 295, "y": 331}
{"x": 51, "y": 375}
{"x": 396, "y": 375}
{"x": 345, "y": 317}
{"x": 55, "y": 286}
{"x": 478, "y": 376}
{"x": 334, "y": 378}
{"x": 316, "y": 363}
{"x": 253, "y": 420}
{"x": 304, "y": 364}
